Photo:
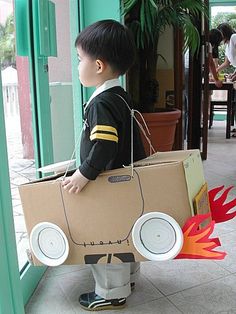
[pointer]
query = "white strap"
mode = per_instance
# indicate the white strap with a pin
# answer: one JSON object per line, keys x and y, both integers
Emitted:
{"x": 145, "y": 132}
{"x": 132, "y": 142}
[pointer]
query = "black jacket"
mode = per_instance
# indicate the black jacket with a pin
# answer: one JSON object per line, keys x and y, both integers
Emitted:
{"x": 106, "y": 138}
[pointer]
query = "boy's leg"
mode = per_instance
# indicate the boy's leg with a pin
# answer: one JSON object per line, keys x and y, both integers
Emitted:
{"x": 112, "y": 280}
{"x": 113, "y": 285}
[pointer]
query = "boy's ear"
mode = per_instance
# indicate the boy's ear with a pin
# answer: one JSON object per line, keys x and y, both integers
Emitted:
{"x": 100, "y": 66}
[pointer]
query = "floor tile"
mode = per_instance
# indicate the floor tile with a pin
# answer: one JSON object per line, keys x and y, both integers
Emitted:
{"x": 177, "y": 275}
{"x": 224, "y": 227}
{"x": 215, "y": 179}
{"x": 160, "y": 306}
{"x": 215, "y": 297}
{"x": 73, "y": 284}
{"x": 144, "y": 292}
{"x": 221, "y": 168}
{"x": 49, "y": 299}
{"x": 228, "y": 244}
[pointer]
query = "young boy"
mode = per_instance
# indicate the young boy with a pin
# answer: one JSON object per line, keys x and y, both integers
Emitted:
{"x": 105, "y": 51}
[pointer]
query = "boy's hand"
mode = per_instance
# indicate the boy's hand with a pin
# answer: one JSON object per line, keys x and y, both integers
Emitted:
{"x": 75, "y": 183}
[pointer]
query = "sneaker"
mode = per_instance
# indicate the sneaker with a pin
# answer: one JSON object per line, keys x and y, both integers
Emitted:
{"x": 93, "y": 302}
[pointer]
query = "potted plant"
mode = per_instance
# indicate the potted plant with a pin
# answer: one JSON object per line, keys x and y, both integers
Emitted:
{"x": 148, "y": 19}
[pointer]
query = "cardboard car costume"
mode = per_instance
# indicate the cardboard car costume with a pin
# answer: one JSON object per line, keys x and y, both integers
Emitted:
{"x": 160, "y": 212}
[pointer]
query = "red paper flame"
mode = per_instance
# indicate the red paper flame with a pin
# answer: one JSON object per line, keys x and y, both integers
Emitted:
{"x": 219, "y": 209}
{"x": 197, "y": 244}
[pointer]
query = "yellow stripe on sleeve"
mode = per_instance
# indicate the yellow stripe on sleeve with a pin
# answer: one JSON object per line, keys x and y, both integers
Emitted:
{"x": 104, "y": 136}
{"x": 106, "y": 128}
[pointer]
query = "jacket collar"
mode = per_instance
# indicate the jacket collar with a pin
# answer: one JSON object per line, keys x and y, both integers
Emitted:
{"x": 106, "y": 85}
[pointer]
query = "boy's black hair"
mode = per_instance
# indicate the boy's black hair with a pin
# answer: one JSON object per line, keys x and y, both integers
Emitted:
{"x": 109, "y": 41}
{"x": 215, "y": 38}
{"x": 226, "y": 30}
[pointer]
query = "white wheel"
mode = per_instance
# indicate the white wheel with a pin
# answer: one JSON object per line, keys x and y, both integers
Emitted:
{"x": 49, "y": 244}
{"x": 157, "y": 236}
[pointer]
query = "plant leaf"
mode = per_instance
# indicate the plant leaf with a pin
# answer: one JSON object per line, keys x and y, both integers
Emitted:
{"x": 127, "y": 5}
{"x": 155, "y": 15}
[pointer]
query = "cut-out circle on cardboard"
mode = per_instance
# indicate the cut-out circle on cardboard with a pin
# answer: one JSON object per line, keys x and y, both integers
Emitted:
{"x": 157, "y": 236}
{"x": 49, "y": 244}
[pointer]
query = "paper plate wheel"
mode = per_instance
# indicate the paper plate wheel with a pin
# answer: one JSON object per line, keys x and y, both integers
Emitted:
{"x": 157, "y": 236}
{"x": 49, "y": 244}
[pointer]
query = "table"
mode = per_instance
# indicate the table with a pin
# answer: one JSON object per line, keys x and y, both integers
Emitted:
{"x": 229, "y": 86}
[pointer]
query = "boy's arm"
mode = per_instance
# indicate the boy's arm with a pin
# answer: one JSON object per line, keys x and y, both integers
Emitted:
{"x": 102, "y": 152}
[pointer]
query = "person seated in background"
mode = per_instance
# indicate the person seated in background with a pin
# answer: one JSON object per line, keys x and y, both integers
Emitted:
{"x": 229, "y": 39}
{"x": 215, "y": 38}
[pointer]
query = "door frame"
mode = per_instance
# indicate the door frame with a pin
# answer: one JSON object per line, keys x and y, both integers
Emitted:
{"x": 198, "y": 92}
{"x": 11, "y": 300}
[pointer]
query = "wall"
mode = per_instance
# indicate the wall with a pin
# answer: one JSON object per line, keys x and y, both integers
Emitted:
{"x": 166, "y": 49}
{"x": 165, "y": 78}
{"x": 60, "y": 67}
{"x": 165, "y": 70}
{"x": 62, "y": 120}
{"x": 60, "y": 78}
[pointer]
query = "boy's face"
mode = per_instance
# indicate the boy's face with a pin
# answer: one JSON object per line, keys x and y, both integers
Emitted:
{"x": 87, "y": 69}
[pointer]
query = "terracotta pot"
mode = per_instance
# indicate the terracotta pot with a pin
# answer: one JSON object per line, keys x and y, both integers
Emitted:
{"x": 162, "y": 127}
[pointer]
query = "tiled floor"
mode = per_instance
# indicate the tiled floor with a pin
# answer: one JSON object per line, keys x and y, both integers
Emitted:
{"x": 177, "y": 286}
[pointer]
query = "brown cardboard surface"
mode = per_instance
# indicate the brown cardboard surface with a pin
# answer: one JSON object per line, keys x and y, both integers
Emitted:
{"x": 98, "y": 221}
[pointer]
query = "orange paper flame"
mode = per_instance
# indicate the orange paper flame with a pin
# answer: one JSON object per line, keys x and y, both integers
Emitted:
{"x": 197, "y": 244}
{"x": 219, "y": 209}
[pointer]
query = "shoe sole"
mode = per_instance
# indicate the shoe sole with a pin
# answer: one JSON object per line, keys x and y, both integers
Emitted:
{"x": 104, "y": 308}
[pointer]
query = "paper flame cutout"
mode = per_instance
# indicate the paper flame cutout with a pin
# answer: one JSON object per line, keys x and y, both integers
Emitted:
{"x": 219, "y": 209}
{"x": 197, "y": 244}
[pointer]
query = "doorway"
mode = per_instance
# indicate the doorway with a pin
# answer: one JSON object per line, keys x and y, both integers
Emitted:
{"x": 40, "y": 126}
{"x": 36, "y": 102}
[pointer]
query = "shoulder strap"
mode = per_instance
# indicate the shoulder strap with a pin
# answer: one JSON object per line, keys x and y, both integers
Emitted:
{"x": 145, "y": 131}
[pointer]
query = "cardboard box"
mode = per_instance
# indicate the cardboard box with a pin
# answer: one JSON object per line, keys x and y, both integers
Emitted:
{"x": 98, "y": 221}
